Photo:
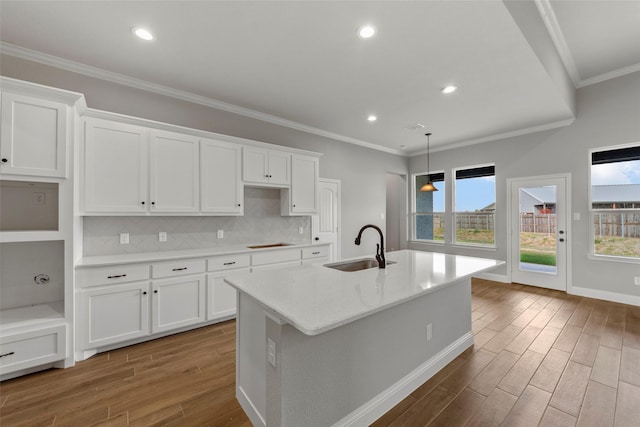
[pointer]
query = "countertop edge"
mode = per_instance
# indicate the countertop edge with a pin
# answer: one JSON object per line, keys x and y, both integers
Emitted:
{"x": 142, "y": 257}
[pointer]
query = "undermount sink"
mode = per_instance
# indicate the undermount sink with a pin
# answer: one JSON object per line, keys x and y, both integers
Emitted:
{"x": 357, "y": 265}
{"x": 271, "y": 245}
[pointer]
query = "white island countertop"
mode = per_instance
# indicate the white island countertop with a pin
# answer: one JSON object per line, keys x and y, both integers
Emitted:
{"x": 315, "y": 299}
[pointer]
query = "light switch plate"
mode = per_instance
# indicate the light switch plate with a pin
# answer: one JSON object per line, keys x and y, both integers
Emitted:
{"x": 162, "y": 236}
{"x": 220, "y": 234}
{"x": 124, "y": 238}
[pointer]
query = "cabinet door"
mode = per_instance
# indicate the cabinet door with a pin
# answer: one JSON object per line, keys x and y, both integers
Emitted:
{"x": 221, "y": 187}
{"x": 114, "y": 313}
{"x": 178, "y": 302}
{"x": 33, "y": 138}
{"x": 254, "y": 165}
{"x": 221, "y": 298}
{"x": 173, "y": 164}
{"x": 304, "y": 184}
{"x": 279, "y": 167}
{"x": 115, "y": 167}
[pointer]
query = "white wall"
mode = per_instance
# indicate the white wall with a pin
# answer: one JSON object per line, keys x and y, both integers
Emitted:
{"x": 608, "y": 113}
{"x": 362, "y": 171}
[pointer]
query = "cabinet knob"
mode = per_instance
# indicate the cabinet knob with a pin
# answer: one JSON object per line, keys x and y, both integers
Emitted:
{"x": 142, "y": 203}
{"x": 4, "y": 160}
{"x": 144, "y": 293}
{"x": 294, "y": 206}
{"x": 238, "y": 204}
{"x": 155, "y": 291}
{"x": 153, "y": 203}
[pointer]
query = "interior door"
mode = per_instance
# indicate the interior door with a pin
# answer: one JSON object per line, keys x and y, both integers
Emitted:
{"x": 538, "y": 231}
{"x": 325, "y": 225}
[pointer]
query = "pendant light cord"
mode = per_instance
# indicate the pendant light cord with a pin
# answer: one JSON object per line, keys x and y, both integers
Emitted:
{"x": 428, "y": 155}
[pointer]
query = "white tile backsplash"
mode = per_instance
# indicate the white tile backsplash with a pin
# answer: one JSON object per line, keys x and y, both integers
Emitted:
{"x": 261, "y": 223}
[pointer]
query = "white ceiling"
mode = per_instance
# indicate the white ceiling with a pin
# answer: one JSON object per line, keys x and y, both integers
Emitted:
{"x": 301, "y": 64}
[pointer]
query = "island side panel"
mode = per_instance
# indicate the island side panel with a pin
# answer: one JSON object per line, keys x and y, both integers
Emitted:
{"x": 251, "y": 356}
{"x": 319, "y": 380}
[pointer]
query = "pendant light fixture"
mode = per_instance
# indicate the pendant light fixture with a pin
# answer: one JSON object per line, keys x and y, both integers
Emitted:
{"x": 429, "y": 185}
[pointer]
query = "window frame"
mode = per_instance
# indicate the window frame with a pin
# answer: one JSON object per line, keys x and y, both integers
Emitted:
{"x": 454, "y": 212}
{"x": 593, "y": 212}
{"x": 414, "y": 214}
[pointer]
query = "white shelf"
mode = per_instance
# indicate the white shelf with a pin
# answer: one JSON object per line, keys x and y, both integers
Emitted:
{"x": 31, "y": 236}
{"x": 41, "y": 314}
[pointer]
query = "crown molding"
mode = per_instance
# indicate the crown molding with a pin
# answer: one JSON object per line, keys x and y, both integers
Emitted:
{"x": 497, "y": 136}
{"x": 87, "y": 70}
{"x": 607, "y": 76}
{"x": 553, "y": 27}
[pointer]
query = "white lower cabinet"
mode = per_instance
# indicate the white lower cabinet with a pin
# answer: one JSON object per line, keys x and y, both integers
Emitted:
{"x": 33, "y": 348}
{"x": 177, "y": 302}
{"x": 121, "y": 303}
{"x": 115, "y": 313}
{"x": 221, "y": 298}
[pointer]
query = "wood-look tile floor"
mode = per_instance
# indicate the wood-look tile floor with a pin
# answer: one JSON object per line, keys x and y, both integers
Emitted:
{"x": 540, "y": 357}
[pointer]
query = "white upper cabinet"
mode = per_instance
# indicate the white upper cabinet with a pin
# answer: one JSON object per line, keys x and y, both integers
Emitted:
{"x": 302, "y": 198}
{"x": 266, "y": 167}
{"x": 173, "y": 167}
{"x": 221, "y": 189}
{"x": 34, "y": 136}
{"x": 131, "y": 169}
{"x": 115, "y": 167}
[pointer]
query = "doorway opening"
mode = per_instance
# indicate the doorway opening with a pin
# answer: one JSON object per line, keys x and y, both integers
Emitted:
{"x": 396, "y": 212}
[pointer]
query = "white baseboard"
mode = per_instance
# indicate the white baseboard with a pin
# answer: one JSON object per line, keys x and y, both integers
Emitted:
{"x": 251, "y": 411}
{"x": 502, "y": 278}
{"x": 604, "y": 295}
{"x": 383, "y": 402}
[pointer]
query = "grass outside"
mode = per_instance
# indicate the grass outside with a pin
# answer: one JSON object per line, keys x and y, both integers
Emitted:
{"x": 618, "y": 246}
{"x": 538, "y": 258}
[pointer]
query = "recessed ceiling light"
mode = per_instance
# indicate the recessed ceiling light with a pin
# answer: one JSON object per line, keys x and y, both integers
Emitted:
{"x": 449, "y": 89}
{"x": 372, "y": 118}
{"x": 143, "y": 33}
{"x": 366, "y": 31}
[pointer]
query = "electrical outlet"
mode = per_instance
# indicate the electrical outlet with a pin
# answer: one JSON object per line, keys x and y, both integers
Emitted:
{"x": 124, "y": 238}
{"x": 636, "y": 280}
{"x": 220, "y": 234}
{"x": 300, "y": 230}
{"x": 162, "y": 236}
{"x": 38, "y": 198}
{"x": 271, "y": 352}
{"x": 429, "y": 331}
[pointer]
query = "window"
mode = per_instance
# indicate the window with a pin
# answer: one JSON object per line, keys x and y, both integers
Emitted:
{"x": 429, "y": 208}
{"x": 475, "y": 205}
{"x": 615, "y": 202}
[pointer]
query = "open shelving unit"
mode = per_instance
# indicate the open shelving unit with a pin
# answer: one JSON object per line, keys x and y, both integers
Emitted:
{"x": 37, "y": 139}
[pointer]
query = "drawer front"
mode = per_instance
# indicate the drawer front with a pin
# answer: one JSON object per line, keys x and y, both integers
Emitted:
{"x": 315, "y": 252}
{"x": 272, "y": 257}
{"x": 228, "y": 262}
{"x": 95, "y": 276}
{"x": 30, "y": 349}
{"x": 177, "y": 268}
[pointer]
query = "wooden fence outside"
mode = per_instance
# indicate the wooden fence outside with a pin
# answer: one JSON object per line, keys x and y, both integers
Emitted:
{"x": 607, "y": 224}
{"x": 617, "y": 224}
{"x": 537, "y": 223}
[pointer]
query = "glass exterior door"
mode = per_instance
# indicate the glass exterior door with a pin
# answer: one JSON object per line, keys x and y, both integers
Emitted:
{"x": 538, "y": 232}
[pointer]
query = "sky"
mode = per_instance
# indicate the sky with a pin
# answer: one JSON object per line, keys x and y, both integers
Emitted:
{"x": 471, "y": 194}
{"x": 616, "y": 173}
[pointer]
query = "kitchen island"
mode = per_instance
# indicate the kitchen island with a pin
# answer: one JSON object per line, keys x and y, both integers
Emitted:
{"x": 318, "y": 346}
